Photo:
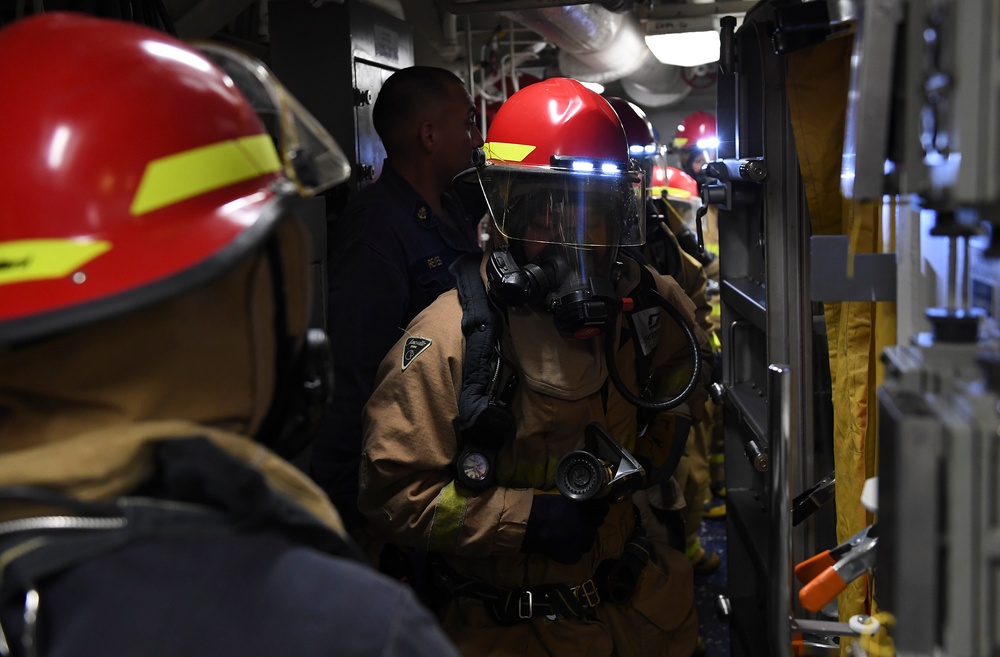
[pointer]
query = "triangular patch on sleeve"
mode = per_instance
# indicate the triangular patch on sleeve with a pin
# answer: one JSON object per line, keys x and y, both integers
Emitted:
{"x": 413, "y": 348}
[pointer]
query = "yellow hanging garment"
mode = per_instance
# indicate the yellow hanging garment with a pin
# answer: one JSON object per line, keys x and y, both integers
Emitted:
{"x": 857, "y": 332}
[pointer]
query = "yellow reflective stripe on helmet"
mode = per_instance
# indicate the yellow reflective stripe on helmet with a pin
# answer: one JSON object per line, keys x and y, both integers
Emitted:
{"x": 181, "y": 176}
{"x": 449, "y": 512}
{"x": 33, "y": 260}
{"x": 672, "y": 192}
{"x": 498, "y": 150}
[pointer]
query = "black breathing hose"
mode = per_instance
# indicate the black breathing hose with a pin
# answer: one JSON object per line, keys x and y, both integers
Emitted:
{"x": 610, "y": 338}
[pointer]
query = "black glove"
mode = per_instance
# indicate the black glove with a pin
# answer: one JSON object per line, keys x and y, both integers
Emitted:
{"x": 561, "y": 528}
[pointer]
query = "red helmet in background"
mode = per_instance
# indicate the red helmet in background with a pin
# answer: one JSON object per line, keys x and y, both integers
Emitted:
{"x": 696, "y": 143}
{"x": 697, "y": 131}
{"x": 680, "y": 185}
{"x": 137, "y": 170}
{"x": 680, "y": 191}
{"x": 638, "y": 129}
{"x": 672, "y": 182}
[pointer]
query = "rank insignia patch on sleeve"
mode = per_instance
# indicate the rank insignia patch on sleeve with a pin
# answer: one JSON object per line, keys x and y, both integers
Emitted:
{"x": 413, "y": 348}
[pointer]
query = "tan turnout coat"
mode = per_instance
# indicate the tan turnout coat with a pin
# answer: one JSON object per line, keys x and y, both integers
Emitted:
{"x": 408, "y": 491}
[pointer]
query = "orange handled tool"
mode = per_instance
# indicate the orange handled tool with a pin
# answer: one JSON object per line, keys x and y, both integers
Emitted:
{"x": 828, "y": 573}
{"x": 810, "y": 569}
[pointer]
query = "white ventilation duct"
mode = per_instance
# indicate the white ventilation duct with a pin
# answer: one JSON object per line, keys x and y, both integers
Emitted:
{"x": 655, "y": 84}
{"x": 597, "y": 45}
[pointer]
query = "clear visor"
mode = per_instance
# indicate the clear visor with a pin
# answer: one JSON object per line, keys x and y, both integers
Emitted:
{"x": 311, "y": 158}
{"x": 546, "y": 206}
{"x": 684, "y": 209}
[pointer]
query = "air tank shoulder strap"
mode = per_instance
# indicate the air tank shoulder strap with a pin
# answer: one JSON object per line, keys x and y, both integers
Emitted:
{"x": 485, "y": 422}
{"x": 481, "y": 327}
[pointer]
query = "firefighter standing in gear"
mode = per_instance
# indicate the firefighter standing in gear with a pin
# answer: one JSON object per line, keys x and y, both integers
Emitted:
{"x": 680, "y": 201}
{"x": 664, "y": 253}
{"x": 523, "y": 569}
{"x": 696, "y": 142}
{"x": 153, "y": 312}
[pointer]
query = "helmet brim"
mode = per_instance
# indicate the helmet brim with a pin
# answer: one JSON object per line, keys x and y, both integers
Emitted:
{"x": 149, "y": 265}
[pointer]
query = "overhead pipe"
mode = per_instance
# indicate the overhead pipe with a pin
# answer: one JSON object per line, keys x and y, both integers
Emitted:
{"x": 449, "y": 48}
{"x": 655, "y": 84}
{"x": 602, "y": 43}
{"x": 490, "y": 6}
{"x": 598, "y": 45}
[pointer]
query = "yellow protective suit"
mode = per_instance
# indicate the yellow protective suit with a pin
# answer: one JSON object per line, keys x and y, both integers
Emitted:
{"x": 408, "y": 489}
{"x": 857, "y": 332}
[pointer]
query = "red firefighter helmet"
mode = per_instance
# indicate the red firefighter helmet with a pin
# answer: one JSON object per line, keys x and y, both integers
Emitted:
{"x": 558, "y": 170}
{"x": 680, "y": 185}
{"x": 638, "y": 129}
{"x": 697, "y": 131}
{"x": 671, "y": 182}
{"x": 137, "y": 170}
{"x": 681, "y": 194}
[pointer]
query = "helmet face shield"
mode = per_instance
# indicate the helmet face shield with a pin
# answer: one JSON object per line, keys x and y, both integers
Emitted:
{"x": 548, "y": 206}
{"x": 684, "y": 209}
{"x": 311, "y": 158}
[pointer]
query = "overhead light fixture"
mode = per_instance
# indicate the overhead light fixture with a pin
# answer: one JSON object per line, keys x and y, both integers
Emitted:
{"x": 685, "y": 48}
{"x": 686, "y": 42}
{"x": 596, "y": 87}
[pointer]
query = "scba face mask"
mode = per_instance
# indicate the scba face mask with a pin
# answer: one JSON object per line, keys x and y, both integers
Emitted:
{"x": 564, "y": 196}
{"x": 562, "y": 231}
{"x": 580, "y": 305}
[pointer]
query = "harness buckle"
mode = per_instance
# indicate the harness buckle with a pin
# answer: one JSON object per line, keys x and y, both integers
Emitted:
{"x": 588, "y": 591}
{"x": 525, "y": 601}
